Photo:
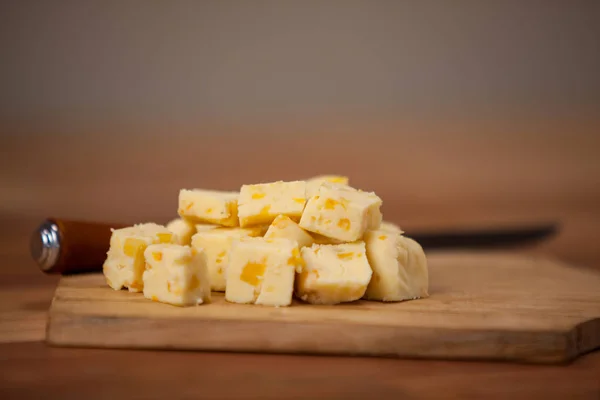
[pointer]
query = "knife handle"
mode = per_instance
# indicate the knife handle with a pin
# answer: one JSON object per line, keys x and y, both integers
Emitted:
{"x": 61, "y": 246}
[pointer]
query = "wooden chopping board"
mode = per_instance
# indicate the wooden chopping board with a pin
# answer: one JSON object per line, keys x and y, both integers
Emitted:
{"x": 482, "y": 306}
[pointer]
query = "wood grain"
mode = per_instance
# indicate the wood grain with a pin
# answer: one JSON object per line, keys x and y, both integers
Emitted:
{"x": 24, "y": 312}
{"x": 482, "y": 306}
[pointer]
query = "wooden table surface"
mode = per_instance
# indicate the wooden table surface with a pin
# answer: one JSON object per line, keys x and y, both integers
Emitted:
{"x": 448, "y": 176}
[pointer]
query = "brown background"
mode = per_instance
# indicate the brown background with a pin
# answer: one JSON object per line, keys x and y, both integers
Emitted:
{"x": 457, "y": 114}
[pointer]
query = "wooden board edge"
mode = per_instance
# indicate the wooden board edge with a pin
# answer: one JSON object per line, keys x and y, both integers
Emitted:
{"x": 546, "y": 347}
{"x": 584, "y": 338}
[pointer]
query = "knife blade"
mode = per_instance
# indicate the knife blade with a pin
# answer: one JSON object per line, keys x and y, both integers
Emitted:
{"x": 485, "y": 238}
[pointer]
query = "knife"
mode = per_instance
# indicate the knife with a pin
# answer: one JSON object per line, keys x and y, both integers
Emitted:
{"x": 61, "y": 246}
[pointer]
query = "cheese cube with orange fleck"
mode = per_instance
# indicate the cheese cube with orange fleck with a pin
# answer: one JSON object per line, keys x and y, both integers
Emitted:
{"x": 183, "y": 229}
{"x": 340, "y": 214}
{"x": 374, "y": 212}
{"x": 176, "y": 275}
{"x": 209, "y": 206}
{"x": 314, "y": 184}
{"x": 261, "y": 271}
{"x": 333, "y": 273}
{"x": 216, "y": 244}
{"x": 283, "y": 227}
{"x": 260, "y": 204}
{"x": 399, "y": 267}
{"x": 124, "y": 263}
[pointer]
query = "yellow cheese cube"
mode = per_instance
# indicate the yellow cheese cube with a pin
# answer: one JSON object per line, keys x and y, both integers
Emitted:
{"x": 399, "y": 267}
{"x": 333, "y": 273}
{"x": 283, "y": 227}
{"x": 176, "y": 275}
{"x": 374, "y": 216}
{"x": 320, "y": 239}
{"x": 261, "y": 271}
{"x": 374, "y": 212}
{"x": 205, "y": 227}
{"x": 340, "y": 214}
{"x": 208, "y": 206}
{"x": 314, "y": 184}
{"x": 216, "y": 244}
{"x": 261, "y": 203}
{"x": 390, "y": 227}
{"x": 124, "y": 263}
{"x": 251, "y": 231}
{"x": 183, "y": 229}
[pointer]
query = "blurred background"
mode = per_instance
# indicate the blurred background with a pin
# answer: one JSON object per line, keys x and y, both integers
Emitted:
{"x": 457, "y": 113}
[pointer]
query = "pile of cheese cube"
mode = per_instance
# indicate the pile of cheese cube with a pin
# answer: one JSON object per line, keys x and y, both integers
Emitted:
{"x": 320, "y": 240}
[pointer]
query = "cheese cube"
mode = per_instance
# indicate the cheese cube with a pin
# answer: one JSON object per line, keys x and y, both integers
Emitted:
{"x": 374, "y": 216}
{"x": 216, "y": 244}
{"x": 390, "y": 227}
{"x": 208, "y": 206}
{"x": 283, "y": 227}
{"x": 176, "y": 275}
{"x": 205, "y": 227}
{"x": 124, "y": 263}
{"x": 314, "y": 184}
{"x": 261, "y": 203}
{"x": 333, "y": 273}
{"x": 249, "y": 231}
{"x": 340, "y": 214}
{"x": 374, "y": 212}
{"x": 320, "y": 239}
{"x": 399, "y": 267}
{"x": 182, "y": 229}
{"x": 261, "y": 271}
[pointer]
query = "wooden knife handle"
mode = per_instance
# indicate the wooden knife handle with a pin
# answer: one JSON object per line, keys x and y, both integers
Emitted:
{"x": 61, "y": 246}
